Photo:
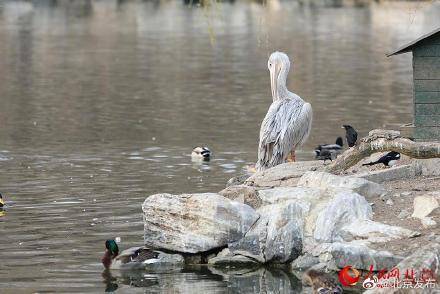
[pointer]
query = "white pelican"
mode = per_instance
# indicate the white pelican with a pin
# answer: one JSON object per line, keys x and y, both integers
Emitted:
{"x": 288, "y": 121}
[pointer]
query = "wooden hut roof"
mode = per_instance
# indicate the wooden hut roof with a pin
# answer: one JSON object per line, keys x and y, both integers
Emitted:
{"x": 408, "y": 47}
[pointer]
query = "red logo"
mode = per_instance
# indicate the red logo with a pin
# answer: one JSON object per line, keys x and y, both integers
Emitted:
{"x": 349, "y": 279}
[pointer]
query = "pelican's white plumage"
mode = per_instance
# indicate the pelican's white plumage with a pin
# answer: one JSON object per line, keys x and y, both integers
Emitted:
{"x": 288, "y": 121}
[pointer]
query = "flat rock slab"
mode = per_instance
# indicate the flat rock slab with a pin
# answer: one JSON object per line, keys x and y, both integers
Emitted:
{"x": 227, "y": 258}
{"x": 323, "y": 180}
{"x": 390, "y": 174}
{"x": 193, "y": 223}
{"x": 285, "y": 174}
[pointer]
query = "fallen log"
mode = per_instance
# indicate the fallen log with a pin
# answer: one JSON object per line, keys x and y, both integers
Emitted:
{"x": 381, "y": 141}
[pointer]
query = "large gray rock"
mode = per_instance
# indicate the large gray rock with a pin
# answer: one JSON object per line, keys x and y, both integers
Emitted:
{"x": 286, "y": 174}
{"x": 344, "y": 209}
{"x": 276, "y": 237}
{"x": 425, "y": 260}
{"x": 323, "y": 180}
{"x": 243, "y": 194}
{"x": 297, "y": 194}
{"x": 339, "y": 254}
{"x": 193, "y": 223}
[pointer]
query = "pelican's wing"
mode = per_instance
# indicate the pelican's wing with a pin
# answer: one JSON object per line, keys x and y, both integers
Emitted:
{"x": 287, "y": 124}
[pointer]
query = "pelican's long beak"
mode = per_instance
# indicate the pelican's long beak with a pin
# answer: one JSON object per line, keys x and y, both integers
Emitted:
{"x": 274, "y": 81}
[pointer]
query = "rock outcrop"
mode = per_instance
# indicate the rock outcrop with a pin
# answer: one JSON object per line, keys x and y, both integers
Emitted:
{"x": 193, "y": 223}
{"x": 286, "y": 174}
{"x": 323, "y": 180}
{"x": 276, "y": 237}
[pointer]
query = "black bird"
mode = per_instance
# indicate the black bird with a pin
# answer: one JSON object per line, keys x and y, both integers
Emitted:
{"x": 2, "y": 203}
{"x": 326, "y": 154}
{"x": 388, "y": 159}
{"x": 333, "y": 148}
{"x": 351, "y": 135}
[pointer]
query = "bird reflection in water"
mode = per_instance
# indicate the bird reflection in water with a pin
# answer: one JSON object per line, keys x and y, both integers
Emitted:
{"x": 109, "y": 281}
{"x": 134, "y": 278}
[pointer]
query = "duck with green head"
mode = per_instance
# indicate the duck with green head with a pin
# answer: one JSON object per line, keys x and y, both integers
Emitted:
{"x": 132, "y": 258}
{"x": 2, "y": 203}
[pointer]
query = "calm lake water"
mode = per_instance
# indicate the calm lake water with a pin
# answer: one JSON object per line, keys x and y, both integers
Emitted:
{"x": 101, "y": 103}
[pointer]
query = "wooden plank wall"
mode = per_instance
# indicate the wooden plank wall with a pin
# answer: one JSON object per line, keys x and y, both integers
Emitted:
{"x": 426, "y": 70}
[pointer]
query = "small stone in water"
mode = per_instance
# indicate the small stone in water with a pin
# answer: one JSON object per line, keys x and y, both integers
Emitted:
{"x": 389, "y": 202}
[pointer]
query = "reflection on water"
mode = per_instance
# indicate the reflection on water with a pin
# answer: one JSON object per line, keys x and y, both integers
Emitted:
{"x": 103, "y": 101}
{"x": 207, "y": 280}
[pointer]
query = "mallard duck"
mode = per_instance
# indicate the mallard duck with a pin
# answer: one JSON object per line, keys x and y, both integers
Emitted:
{"x": 201, "y": 154}
{"x": 132, "y": 258}
{"x": 321, "y": 282}
{"x": 2, "y": 203}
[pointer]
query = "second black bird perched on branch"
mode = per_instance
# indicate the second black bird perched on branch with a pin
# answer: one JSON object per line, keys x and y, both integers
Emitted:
{"x": 388, "y": 159}
{"x": 351, "y": 135}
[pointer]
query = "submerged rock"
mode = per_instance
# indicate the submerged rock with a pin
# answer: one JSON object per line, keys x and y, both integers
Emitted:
{"x": 227, "y": 258}
{"x": 193, "y": 223}
{"x": 304, "y": 262}
{"x": 277, "y": 235}
{"x": 338, "y": 255}
{"x": 325, "y": 180}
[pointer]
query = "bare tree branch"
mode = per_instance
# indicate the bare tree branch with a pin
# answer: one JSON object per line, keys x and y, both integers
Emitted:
{"x": 380, "y": 141}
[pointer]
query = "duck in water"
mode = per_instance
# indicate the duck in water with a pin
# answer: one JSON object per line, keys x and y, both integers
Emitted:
{"x": 201, "y": 154}
{"x": 321, "y": 283}
{"x": 132, "y": 258}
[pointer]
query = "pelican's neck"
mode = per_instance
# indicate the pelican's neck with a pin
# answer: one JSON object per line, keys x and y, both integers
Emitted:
{"x": 282, "y": 92}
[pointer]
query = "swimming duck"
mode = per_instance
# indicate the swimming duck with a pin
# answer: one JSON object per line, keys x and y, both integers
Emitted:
{"x": 132, "y": 258}
{"x": 332, "y": 148}
{"x": 2, "y": 203}
{"x": 321, "y": 282}
{"x": 201, "y": 154}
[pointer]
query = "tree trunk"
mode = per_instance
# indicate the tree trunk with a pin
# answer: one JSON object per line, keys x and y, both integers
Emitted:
{"x": 381, "y": 141}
